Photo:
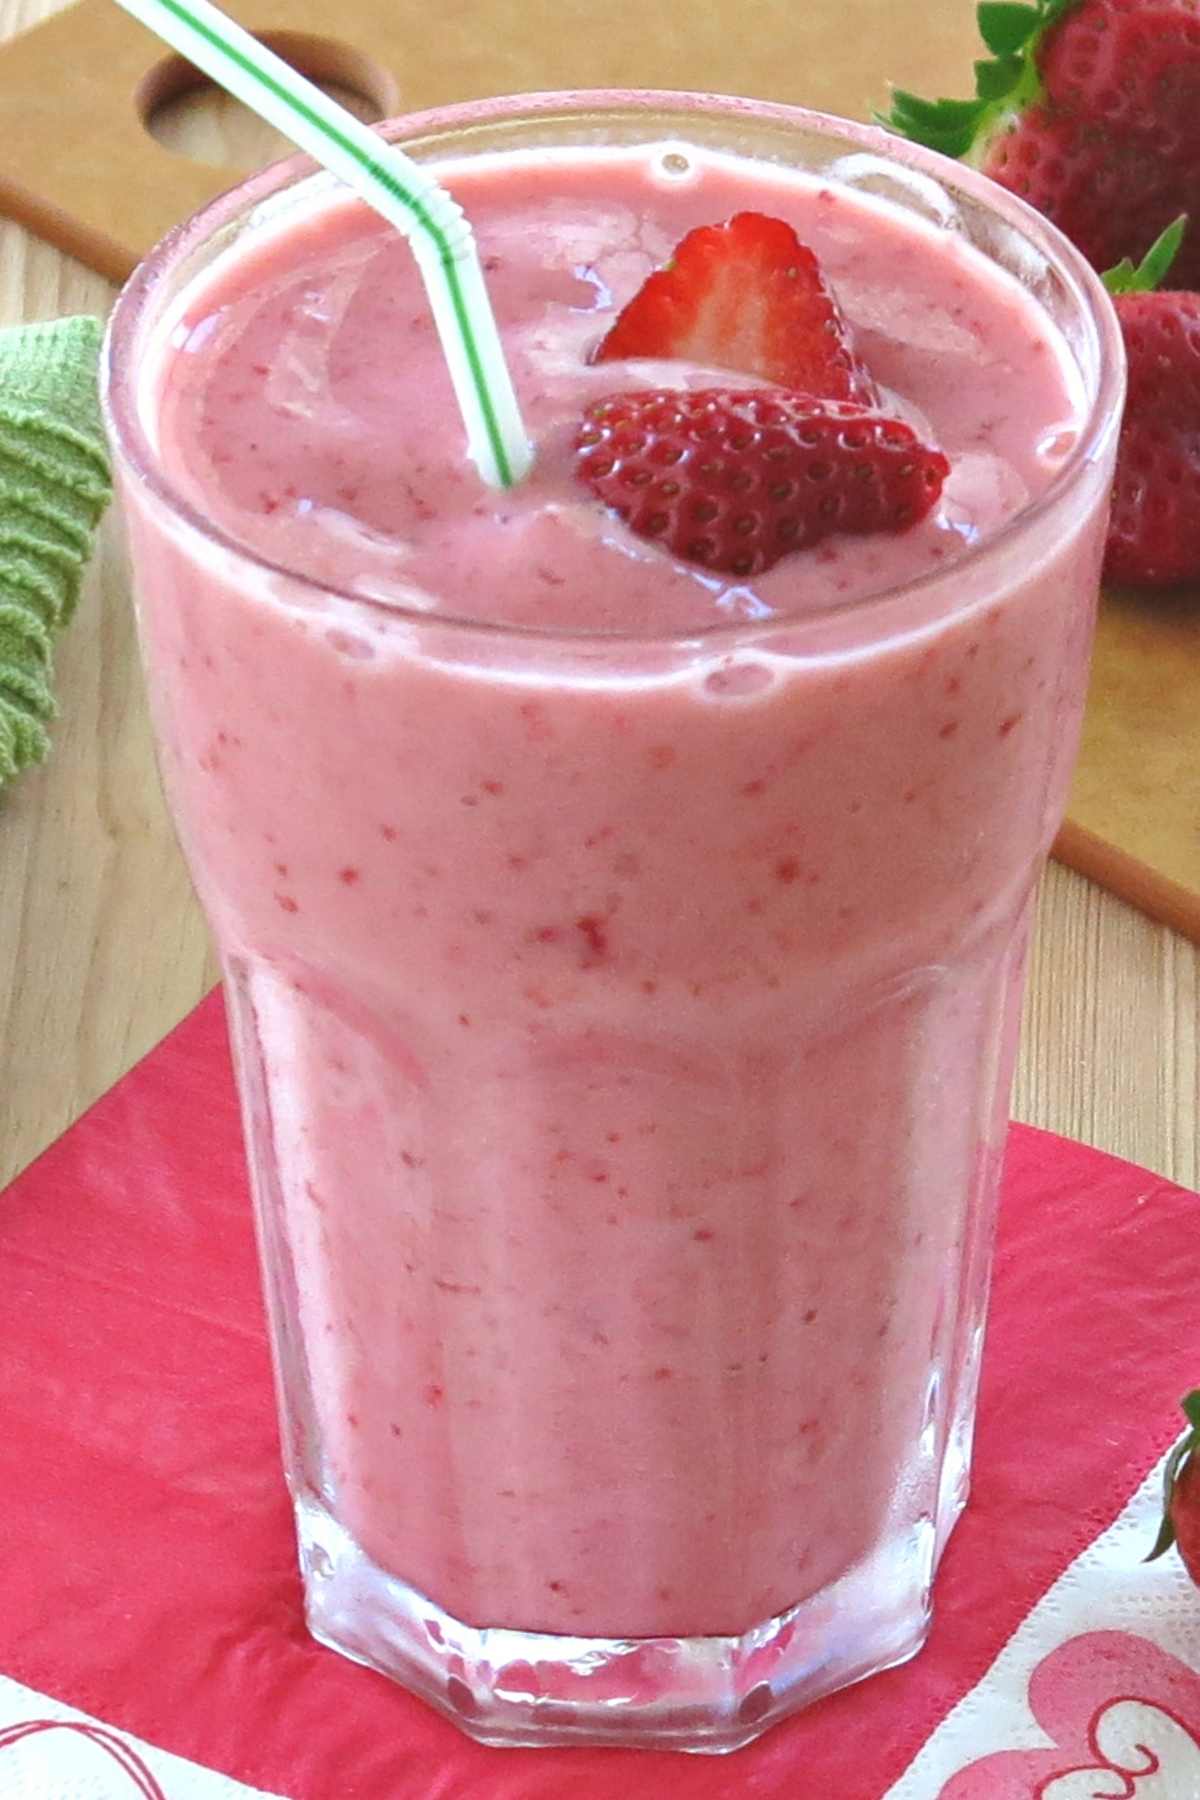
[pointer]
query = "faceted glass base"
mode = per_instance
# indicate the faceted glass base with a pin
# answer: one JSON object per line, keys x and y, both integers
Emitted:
{"x": 536, "y": 1689}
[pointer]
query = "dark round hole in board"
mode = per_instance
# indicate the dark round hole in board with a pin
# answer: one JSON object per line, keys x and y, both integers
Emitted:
{"x": 191, "y": 116}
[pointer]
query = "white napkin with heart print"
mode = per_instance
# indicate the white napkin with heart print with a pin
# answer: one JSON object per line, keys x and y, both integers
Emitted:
{"x": 1096, "y": 1695}
{"x": 52, "y": 1752}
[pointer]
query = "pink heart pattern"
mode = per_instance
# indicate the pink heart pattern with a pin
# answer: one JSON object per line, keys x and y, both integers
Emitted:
{"x": 1125, "y": 1717}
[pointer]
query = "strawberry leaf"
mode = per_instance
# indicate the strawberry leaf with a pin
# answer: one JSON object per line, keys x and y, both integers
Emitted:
{"x": 1006, "y": 82}
{"x": 1126, "y": 278}
{"x": 993, "y": 80}
{"x": 1180, "y": 1454}
{"x": 939, "y": 114}
{"x": 946, "y": 125}
{"x": 1007, "y": 28}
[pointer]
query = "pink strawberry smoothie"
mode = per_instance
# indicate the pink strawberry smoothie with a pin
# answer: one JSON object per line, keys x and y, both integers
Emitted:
{"x": 626, "y": 1002}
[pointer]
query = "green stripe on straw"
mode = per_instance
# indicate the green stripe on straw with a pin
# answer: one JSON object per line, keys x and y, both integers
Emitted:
{"x": 395, "y": 186}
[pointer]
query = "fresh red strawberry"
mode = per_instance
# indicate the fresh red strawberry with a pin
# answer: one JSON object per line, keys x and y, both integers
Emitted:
{"x": 1154, "y": 529}
{"x": 1090, "y": 110}
{"x": 733, "y": 479}
{"x": 1181, "y": 1494}
{"x": 750, "y": 297}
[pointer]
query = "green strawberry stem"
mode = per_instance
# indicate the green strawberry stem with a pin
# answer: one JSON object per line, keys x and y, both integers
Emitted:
{"x": 1125, "y": 278}
{"x": 1187, "y": 1445}
{"x": 1005, "y": 83}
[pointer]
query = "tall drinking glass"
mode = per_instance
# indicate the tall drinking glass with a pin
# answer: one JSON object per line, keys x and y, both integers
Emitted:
{"x": 624, "y": 1023}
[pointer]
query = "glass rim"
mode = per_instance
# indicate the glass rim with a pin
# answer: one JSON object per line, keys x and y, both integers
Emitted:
{"x": 119, "y": 367}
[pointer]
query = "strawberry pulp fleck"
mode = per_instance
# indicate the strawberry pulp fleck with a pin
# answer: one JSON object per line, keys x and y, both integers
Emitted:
{"x": 595, "y": 936}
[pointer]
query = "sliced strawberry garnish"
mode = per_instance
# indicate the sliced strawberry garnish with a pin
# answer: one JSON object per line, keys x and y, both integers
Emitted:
{"x": 733, "y": 479}
{"x": 750, "y": 297}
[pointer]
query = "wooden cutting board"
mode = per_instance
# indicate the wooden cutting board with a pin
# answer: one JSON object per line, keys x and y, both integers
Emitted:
{"x": 79, "y": 166}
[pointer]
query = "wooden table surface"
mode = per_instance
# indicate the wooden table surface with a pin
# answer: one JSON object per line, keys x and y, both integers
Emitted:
{"x": 102, "y": 947}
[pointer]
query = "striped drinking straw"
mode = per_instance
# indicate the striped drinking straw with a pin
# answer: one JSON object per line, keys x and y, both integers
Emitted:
{"x": 395, "y": 186}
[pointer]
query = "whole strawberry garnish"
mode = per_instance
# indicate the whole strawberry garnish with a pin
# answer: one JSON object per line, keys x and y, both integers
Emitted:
{"x": 1181, "y": 1494}
{"x": 734, "y": 479}
{"x": 1154, "y": 527}
{"x": 746, "y": 296}
{"x": 1090, "y": 110}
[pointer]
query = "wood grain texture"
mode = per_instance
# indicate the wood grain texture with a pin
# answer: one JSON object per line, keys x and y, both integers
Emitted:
{"x": 1137, "y": 784}
{"x": 102, "y": 948}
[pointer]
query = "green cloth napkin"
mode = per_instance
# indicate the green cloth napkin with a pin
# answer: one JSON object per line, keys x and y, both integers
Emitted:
{"x": 54, "y": 484}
